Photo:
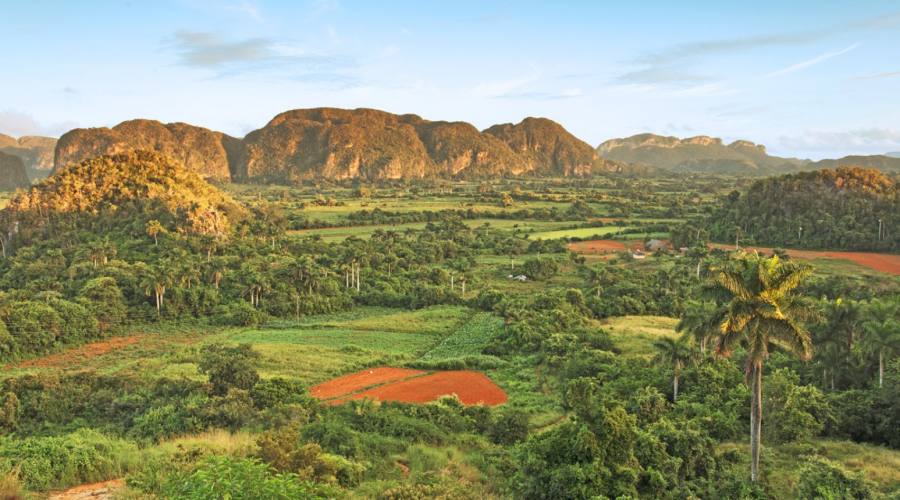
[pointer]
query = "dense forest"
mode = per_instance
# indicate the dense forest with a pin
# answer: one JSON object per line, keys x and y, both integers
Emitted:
{"x": 848, "y": 208}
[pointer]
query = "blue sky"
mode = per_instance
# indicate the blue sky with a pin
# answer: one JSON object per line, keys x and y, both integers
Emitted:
{"x": 810, "y": 79}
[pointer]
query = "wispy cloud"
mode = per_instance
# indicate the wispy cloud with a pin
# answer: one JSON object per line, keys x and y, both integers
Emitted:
{"x": 272, "y": 57}
{"x": 17, "y": 123}
{"x": 505, "y": 87}
{"x": 671, "y": 65}
{"x": 525, "y": 87}
{"x": 877, "y": 76}
{"x": 856, "y": 140}
{"x": 812, "y": 62}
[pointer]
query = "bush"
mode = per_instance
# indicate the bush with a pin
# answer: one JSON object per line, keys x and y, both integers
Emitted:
{"x": 229, "y": 367}
{"x": 84, "y": 456}
{"x": 509, "y": 427}
{"x": 540, "y": 268}
{"x": 822, "y": 478}
{"x": 240, "y": 478}
{"x": 239, "y": 313}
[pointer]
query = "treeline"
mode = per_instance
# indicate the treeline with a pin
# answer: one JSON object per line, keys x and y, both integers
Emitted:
{"x": 849, "y": 208}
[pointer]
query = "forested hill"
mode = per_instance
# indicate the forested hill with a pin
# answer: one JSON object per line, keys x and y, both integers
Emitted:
{"x": 109, "y": 191}
{"x": 825, "y": 209}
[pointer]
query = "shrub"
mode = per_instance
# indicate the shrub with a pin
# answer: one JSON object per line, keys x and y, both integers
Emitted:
{"x": 509, "y": 427}
{"x": 84, "y": 456}
{"x": 220, "y": 477}
{"x": 229, "y": 367}
{"x": 822, "y": 478}
{"x": 239, "y": 313}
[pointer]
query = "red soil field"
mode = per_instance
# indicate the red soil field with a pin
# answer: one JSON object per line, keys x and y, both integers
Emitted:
{"x": 360, "y": 380}
{"x": 884, "y": 262}
{"x": 471, "y": 388}
{"x": 597, "y": 246}
{"x": 72, "y": 356}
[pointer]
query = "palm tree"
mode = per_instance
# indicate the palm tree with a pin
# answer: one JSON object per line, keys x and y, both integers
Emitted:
{"x": 697, "y": 323}
{"x": 154, "y": 229}
{"x": 761, "y": 310}
{"x": 676, "y": 353}
{"x": 882, "y": 331}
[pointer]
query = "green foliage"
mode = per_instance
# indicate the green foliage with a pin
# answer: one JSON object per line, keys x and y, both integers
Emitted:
{"x": 822, "y": 478}
{"x": 540, "y": 268}
{"x": 836, "y": 209}
{"x": 794, "y": 412}
{"x": 229, "y": 367}
{"x": 219, "y": 477}
{"x": 84, "y": 456}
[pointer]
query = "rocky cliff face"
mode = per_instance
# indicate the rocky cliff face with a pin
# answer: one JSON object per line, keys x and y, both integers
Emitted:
{"x": 546, "y": 147}
{"x": 201, "y": 150}
{"x": 697, "y": 154}
{"x": 36, "y": 152}
{"x": 371, "y": 144}
{"x": 12, "y": 173}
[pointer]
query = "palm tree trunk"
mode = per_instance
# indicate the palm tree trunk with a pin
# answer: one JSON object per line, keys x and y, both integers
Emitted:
{"x": 880, "y": 369}
{"x": 755, "y": 419}
{"x": 675, "y": 389}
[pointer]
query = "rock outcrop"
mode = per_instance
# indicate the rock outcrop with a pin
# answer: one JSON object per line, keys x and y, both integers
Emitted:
{"x": 701, "y": 154}
{"x": 371, "y": 144}
{"x": 546, "y": 147}
{"x": 202, "y": 151}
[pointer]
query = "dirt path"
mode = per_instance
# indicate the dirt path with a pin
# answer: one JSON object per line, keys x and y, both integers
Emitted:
{"x": 78, "y": 354}
{"x": 884, "y": 262}
{"x": 95, "y": 491}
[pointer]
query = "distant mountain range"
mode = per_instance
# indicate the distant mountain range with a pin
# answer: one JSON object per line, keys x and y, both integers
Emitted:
{"x": 895, "y": 154}
{"x": 704, "y": 154}
{"x": 36, "y": 152}
{"x": 332, "y": 143}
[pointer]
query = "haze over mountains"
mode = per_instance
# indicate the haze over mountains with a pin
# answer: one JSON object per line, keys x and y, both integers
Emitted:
{"x": 336, "y": 144}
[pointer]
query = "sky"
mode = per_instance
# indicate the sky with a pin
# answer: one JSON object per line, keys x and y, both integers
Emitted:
{"x": 811, "y": 79}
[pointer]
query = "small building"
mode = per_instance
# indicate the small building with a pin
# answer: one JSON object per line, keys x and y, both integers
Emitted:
{"x": 638, "y": 254}
{"x": 656, "y": 245}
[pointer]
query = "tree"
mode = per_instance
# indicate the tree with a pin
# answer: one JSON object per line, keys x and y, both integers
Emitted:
{"x": 104, "y": 299}
{"x": 676, "y": 353}
{"x": 761, "y": 309}
{"x": 155, "y": 282}
{"x": 154, "y": 229}
{"x": 697, "y": 323}
{"x": 229, "y": 367}
{"x": 882, "y": 332}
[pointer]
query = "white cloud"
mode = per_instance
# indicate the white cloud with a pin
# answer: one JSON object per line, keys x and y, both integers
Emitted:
{"x": 17, "y": 124}
{"x": 506, "y": 87}
{"x": 872, "y": 140}
{"x": 812, "y": 62}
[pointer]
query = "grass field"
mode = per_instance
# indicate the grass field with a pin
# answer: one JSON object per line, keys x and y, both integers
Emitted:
{"x": 581, "y": 232}
{"x": 635, "y": 335}
{"x": 343, "y": 232}
{"x": 781, "y": 464}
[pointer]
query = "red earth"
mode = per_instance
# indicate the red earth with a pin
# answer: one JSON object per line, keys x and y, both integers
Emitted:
{"x": 411, "y": 386}
{"x": 72, "y": 356}
{"x": 597, "y": 246}
{"x": 469, "y": 386}
{"x": 358, "y": 381}
{"x": 884, "y": 262}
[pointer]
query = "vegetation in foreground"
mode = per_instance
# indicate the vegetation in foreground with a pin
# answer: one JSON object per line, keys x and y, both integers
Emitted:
{"x": 231, "y": 318}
